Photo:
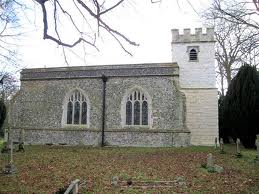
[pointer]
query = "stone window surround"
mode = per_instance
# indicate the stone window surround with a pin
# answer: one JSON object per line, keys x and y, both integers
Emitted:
{"x": 64, "y": 110}
{"x": 123, "y": 108}
{"x": 197, "y": 49}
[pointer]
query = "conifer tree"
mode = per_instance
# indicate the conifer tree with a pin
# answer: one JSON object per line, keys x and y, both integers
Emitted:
{"x": 2, "y": 116}
{"x": 241, "y": 106}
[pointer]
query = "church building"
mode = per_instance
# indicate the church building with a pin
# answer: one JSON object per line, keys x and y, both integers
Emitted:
{"x": 156, "y": 105}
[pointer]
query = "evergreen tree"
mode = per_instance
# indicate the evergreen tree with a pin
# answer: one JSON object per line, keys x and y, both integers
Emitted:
{"x": 2, "y": 116}
{"x": 241, "y": 106}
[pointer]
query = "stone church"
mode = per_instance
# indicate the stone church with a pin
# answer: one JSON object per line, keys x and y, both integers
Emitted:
{"x": 157, "y": 104}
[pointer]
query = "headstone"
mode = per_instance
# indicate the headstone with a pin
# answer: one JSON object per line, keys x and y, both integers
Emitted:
{"x": 216, "y": 143}
{"x": 257, "y": 149}
{"x": 211, "y": 167}
{"x": 221, "y": 146}
{"x": 10, "y": 168}
{"x": 210, "y": 162}
{"x": 238, "y": 154}
{"x": 9, "y": 139}
{"x": 21, "y": 141}
{"x": 6, "y": 134}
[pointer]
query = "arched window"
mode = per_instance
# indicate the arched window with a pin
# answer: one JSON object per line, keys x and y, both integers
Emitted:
{"x": 76, "y": 110}
{"x": 137, "y": 108}
{"x": 193, "y": 55}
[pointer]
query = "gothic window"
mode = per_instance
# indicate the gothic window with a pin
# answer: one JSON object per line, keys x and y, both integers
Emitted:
{"x": 136, "y": 108}
{"x": 76, "y": 110}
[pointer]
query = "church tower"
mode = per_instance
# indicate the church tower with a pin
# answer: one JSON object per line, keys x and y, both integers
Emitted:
{"x": 194, "y": 54}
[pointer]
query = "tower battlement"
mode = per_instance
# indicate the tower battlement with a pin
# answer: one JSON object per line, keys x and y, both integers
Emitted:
{"x": 188, "y": 37}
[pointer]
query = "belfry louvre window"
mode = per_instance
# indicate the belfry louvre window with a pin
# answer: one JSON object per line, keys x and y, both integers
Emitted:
{"x": 137, "y": 108}
{"x": 193, "y": 55}
{"x": 77, "y": 109}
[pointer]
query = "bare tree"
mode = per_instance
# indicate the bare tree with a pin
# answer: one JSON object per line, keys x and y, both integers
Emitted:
{"x": 78, "y": 14}
{"x": 8, "y": 85}
{"x": 9, "y": 34}
{"x": 244, "y": 12}
{"x": 236, "y": 44}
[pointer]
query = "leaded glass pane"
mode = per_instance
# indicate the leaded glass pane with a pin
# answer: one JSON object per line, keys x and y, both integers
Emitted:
{"x": 69, "y": 112}
{"x": 84, "y": 113}
{"x": 76, "y": 113}
{"x": 136, "y": 113}
{"x": 128, "y": 113}
{"x": 144, "y": 113}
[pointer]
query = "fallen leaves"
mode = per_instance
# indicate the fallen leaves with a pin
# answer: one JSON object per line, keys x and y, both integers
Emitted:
{"x": 44, "y": 169}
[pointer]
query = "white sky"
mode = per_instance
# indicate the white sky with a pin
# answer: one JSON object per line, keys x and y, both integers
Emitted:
{"x": 145, "y": 23}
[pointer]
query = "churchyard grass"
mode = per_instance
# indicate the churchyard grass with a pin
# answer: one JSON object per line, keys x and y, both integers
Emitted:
{"x": 45, "y": 169}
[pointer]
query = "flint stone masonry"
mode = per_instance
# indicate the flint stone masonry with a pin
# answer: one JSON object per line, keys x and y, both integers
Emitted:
{"x": 112, "y": 138}
{"x": 182, "y": 100}
{"x": 38, "y": 108}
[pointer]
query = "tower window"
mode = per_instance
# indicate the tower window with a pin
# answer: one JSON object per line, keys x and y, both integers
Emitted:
{"x": 193, "y": 53}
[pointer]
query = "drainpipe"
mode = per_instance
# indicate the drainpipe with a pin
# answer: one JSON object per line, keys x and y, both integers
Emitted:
{"x": 104, "y": 78}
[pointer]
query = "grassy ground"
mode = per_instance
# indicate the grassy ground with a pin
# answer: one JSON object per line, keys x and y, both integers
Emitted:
{"x": 45, "y": 169}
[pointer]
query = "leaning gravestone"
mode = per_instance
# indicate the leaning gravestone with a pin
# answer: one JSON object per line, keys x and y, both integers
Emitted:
{"x": 238, "y": 154}
{"x": 257, "y": 149}
{"x": 211, "y": 167}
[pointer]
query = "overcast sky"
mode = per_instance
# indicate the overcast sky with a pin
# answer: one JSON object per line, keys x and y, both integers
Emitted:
{"x": 145, "y": 23}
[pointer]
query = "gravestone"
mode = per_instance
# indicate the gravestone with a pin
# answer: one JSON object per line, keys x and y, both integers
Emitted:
{"x": 210, "y": 161}
{"x": 216, "y": 143}
{"x": 211, "y": 167}
{"x": 21, "y": 142}
{"x": 238, "y": 154}
{"x": 10, "y": 168}
{"x": 257, "y": 149}
{"x": 221, "y": 146}
{"x": 6, "y": 135}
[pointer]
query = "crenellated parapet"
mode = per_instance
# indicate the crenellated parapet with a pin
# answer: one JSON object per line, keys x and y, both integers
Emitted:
{"x": 188, "y": 37}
